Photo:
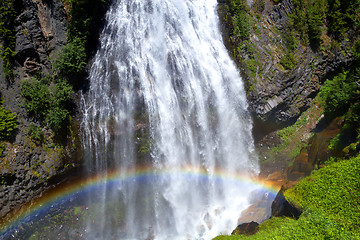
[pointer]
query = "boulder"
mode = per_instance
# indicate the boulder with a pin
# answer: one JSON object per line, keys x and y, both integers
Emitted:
{"x": 282, "y": 208}
{"x": 246, "y": 228}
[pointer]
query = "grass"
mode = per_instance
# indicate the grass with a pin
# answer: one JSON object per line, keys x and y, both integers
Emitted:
{"x": 335, "y": 190}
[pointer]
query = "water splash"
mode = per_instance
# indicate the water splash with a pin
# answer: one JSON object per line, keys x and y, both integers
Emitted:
{"x": 165, "y": 93}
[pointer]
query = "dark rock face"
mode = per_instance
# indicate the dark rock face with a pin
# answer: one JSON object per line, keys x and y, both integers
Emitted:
{"x": 246, "y": 228}
{"x": 282, "y": 208}
{"x": 28, "y": 169}
{"x": 282, "y": 95}
{"x": 275, "y": 94}
{"x": 40, "y": 32}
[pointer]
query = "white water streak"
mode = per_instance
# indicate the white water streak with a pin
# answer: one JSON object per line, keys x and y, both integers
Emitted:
{"x": 162, "y": 79}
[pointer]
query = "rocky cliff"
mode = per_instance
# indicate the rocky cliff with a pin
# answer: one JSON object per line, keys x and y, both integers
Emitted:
{"x": 28, "y": 168}
{"x": 283, "y": 75}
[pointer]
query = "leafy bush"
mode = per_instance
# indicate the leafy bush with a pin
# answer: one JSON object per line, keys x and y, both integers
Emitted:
{"x": 8, "y": 123}
{"x": 240, "y": 13}
{"x": 259, "y": 5}
{"x": 56, "y": 118}
{"x": 298, "y": 19}
{"x": 290, "y": 40}
{"x": 288, "y": 61}
{"x": 36, "y": 96}
{"x": 48, "y": 102}
{"x": 72, "y": 59}
{"x": 2, "y": 148}
{"x": 356, "y": 50}
{"x": 35, "y": 133}
{"x": 312, "y": 225}
{"x": 7, "y": 34}
{"x": 343, "y": 15}
{"x": 85, "y": 15}
{"x": 337, "y": 93}
{"x": 316, "y": 14}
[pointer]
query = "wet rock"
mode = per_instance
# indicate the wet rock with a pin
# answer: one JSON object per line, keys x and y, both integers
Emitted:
{"x": 260, "y": 208}
{"x": 246, "y": 228}
{"x": 282, "y": 208}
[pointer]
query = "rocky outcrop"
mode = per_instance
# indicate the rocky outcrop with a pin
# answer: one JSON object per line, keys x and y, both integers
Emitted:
{"x": 282, "y": 208}
{"x": 276, "y": 94}
{"x": 259, "y": 209}
{"x": 40, "y": 32}
{"x": 246, "y": 229}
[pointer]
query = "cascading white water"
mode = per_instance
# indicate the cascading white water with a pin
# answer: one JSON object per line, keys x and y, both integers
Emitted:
{"x": 165, "y": 96}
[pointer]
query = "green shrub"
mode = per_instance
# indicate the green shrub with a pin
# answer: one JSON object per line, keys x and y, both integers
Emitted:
{"x": 356, "y": 50}
{"x": 8, "y": 123}
{"x": 259, "y": 6}
{"x": 298, "y": 19}
{"x": 288, "y": 61}
{"x": 312, "y": 225}
{"x": 56, "y": 118}
{"x": 36, "y": 96}
{"x": 2, "y": 148}
{"x": 316, "y": 14}
{"x": 48, "y": 102}
{"x": 290, "y": 40}
{"x": 35, "y": 133}
{"x": 342, "y": 16}
{"x": 84, "y": 17}
{"x": 72, "y": 59}
{"x": 239, "y": 11}
{"x": 337, "y": 93}
{"x": 7, "y": 34}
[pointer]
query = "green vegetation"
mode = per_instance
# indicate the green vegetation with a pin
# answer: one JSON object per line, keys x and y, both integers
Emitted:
{"x": 239, "y": 11}
{"x": 342, "y": 16}
{"x": 288, "y": 61}
{"x": 7, "y": 34}
{"x": 71, "y": 60}
{"x": 337, "y": 94}
{"x": 340, "y": 97}
{"x": 48, "y": 102}
{"x": 330, "y": 198}
{"x": 8, "y": 123}
{"x": 82, "y": 33}
{"x": 312, "y": 225}
{"x": 85, "y": 15}
{"x": 36, "y": 133}
{"x": 333, "y": 190}
{"x": 311, "y": 17}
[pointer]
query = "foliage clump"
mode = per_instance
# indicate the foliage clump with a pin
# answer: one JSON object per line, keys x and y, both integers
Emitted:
{"x": 8, "y": 123}
{"x": 310, "y": 18}
{"x": 288, "y": 61}
{"x": 36, "y": 133}
{"x": 47, "y": 101}
{"x": 239, "y": 10}
{"x": 7, "y": 34}
{"x": 337, "y": 94}
{"x": 72, "y": 59}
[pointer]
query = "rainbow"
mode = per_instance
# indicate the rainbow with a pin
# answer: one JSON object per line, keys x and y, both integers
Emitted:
{"x": 71, "y": 189}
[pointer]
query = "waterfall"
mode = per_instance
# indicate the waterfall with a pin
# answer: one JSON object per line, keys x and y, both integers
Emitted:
{"x": 166, "y": 103}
